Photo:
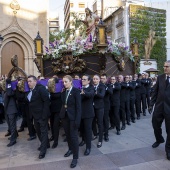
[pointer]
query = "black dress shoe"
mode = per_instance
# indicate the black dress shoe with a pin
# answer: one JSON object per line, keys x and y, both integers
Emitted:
{"x": 133, "y": 121}
{"x": 118, "y": 132}
{"x": 41, "y": 155}
{"x": 65, "y": 140}
{"x": 52, "y": 138}
{"x": 111, "y": 127}
{"x": 81, "y": 143}
{"x": 54, "y": 145}
{"x": 144, "y": 114}
{"x": 21, "y": 130}
{"x": 7, "y": 134}
{"x": 123, "y": 127}
{"x": 68, "y": 153}
{"x": 31, "y": 138}
{"x": 73, "y": 163}
{"x": 128, "y": 123}
{"x": 99, "y": 145}
{"x": 11, "y": 144}
{"x": 168, "y": 156}
{"x": 87, "y": 152}
{"x": 156, "y": 144}
{"x": 39, "y": 148}
{"x": 95, "y": 137}
{"x": 106, "y": 139}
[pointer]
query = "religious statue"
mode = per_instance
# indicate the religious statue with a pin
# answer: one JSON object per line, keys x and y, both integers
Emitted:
{"x": 90, "y": 21}
{"x": 149, "y": 43}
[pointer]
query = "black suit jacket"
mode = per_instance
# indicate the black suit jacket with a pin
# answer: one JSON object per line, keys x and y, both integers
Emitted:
{"x": 161, "y": 96}
{"x": 73, "y": 105}
{"x": 55, "y": 102}
{"x": 125, "y": 92}
{"x": 143, "y": 84}
{"x": 138, "y": 87}
{"x": 115, "y": 97}
{"x": 87, "y": 102}
{"x": 108, "y": 92}
{"x": 132, "y": 90}
{"x": 39, "y": 105}
{"x": 148, "y": 85}
{"x": 10, "y": 106}
{"x": 99, "y": 96}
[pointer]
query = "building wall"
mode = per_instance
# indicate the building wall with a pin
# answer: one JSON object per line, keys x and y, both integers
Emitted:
{"x": 164, "y": 5}
{"x": 22, "y": 27}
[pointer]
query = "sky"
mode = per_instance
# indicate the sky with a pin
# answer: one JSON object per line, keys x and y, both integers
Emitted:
{"x": 57, "y": 8}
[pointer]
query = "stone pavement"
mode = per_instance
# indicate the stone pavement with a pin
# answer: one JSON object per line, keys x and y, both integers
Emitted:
{"x": 130, "y": 151}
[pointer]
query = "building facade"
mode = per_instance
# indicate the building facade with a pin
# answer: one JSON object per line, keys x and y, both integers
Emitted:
{"x": 19, "y": 23}
{"x": 54, "y": 25}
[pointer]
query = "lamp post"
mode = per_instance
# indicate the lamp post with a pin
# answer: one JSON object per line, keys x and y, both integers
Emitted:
{"x": 1, "y": 40}
{"x": 101, "y": 36}
{"x": 135, "y": 52}
{"x": 38, "y": 43}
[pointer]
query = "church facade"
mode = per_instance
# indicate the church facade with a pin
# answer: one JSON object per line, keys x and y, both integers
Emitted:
{"x": 19, "y": 23}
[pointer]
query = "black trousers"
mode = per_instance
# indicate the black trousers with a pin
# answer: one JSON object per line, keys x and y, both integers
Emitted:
{"x": 55, "y": 122}
{"x": 115, "y": 116}
{"x": 147, "y": 99}
{"x": 106, "y": 122}
{"x": 143, "y": 99}
{"x": 22, "y": 109}
{"x": 86, "y": 131}
{"x": 138, "y": 104}
{"x": 125, "y": 111}
{"x": 30, "y": 124}
{"x": 99, "y": 113}
{"x": 41, "y": 126}
{"x": 72, "y": 136}
{"x": 12, "y": 126}
{"x": 132, "y": 109}
{"x": 157, "y": 119}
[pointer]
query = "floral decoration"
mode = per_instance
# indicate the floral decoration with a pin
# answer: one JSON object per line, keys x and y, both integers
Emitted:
{"x": 81, "y": 46}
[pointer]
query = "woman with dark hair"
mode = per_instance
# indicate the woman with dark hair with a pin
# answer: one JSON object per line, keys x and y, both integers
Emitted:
{"x": 87, "y": 94}
{"x": 71, "y": 116}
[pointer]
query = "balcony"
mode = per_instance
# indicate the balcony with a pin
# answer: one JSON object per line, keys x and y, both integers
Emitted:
{"x": 119, "y": 22}
{"x": 121, "y": 39}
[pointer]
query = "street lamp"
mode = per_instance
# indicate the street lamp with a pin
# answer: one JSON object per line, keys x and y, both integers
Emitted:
{"x": 1, "y": 40}
{"x": 38, "y": 43}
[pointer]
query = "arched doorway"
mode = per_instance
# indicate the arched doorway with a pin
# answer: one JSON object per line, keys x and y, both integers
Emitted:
{"x": 10, "y": 49}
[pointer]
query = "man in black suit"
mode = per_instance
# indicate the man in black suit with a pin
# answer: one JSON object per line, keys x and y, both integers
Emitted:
{"x": 143, "y": 93}
{"x": 108, "y": 92}
{"x": 11, "y": 110}
{"x": 98, "y": 104}
{"x": 132, "y": 98}
{"x": 138, "y": 95}
{"x": 148, "y": 89}
{"x": 39, "y": 103}
{"x": 161, "y": 100}
{"x": 70, "y": 115}
{"x": 115, "y": 104}
{"x": 87, "y": 95}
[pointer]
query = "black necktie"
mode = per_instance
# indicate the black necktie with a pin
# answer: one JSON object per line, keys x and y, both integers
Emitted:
{"x": 167, "y": 81}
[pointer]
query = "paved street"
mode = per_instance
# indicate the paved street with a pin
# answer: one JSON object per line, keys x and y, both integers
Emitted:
{"x": 130, "y": 151}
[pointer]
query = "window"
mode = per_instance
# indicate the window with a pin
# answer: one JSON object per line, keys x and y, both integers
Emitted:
{"x": 81, "y": 5}
{"x": 71, "y": 5}
{"x": 120, "y": 32}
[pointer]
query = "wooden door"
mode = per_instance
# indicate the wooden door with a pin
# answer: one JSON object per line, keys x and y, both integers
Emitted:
{"x": 10, "y": 49}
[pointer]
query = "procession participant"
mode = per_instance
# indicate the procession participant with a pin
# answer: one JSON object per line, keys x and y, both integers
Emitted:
{"x": 98, "y": 103}
{"x": 38, "y": 101}
{"x": 132, "y": 98}
{"x": 115, "y": 104}
{"x": 108, "y": 92}
{"x": 148, "y": 89}
{"x": 87, "y": 94}
{"x": 143, "y": 93}
{"x": 138, "y": 95}
{"x": 55, "y": 107}
{"x": 11, "y": 111}
{"x": 161, "y": 100}
{"x": 70, "y": 115}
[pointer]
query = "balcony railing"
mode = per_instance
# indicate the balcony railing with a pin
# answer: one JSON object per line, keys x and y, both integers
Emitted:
{"x": 121, "y": 39}
{"x": 119, "y": 22}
